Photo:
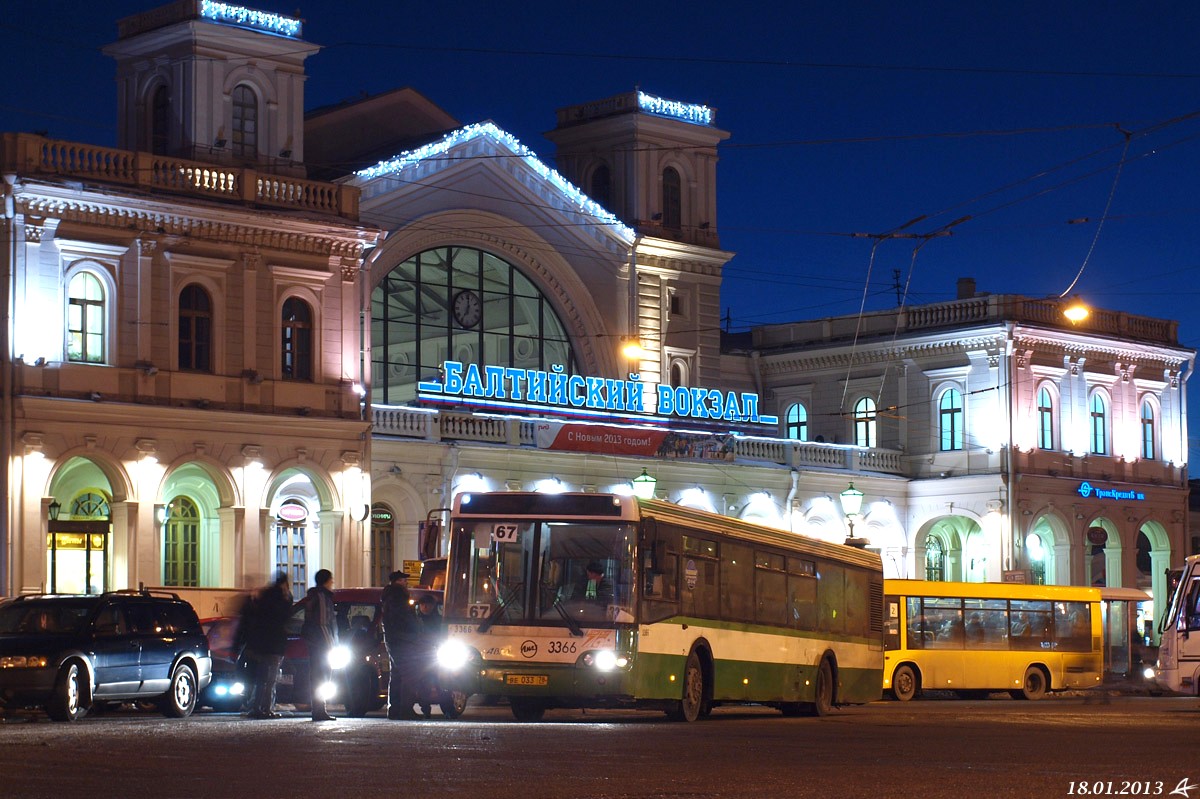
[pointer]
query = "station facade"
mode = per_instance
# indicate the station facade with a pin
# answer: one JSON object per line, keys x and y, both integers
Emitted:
{"x": 227, "y": 357}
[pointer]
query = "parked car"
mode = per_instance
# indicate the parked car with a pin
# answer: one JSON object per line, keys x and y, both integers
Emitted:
{"x": 361, "y": 685}
{"x": 68, "y": 653}
{"x": 231, "y": 684}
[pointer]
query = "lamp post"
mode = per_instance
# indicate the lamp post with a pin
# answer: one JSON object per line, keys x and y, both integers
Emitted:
{"x": 54, "y": 508}
{"x": 643, "y": 486}
{"x": 851, "y": 504}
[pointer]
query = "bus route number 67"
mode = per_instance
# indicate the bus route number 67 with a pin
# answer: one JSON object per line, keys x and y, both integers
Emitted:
{"x": 504, "y": 533}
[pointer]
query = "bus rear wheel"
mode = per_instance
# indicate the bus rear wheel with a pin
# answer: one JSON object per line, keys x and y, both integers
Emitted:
{"x": 1034, "y": 686}
{"x": 904, "y": 683}
{"x": 822, "y": 704}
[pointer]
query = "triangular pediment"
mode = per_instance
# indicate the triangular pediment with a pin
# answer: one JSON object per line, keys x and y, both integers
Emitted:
{"x": 486, "y": 146}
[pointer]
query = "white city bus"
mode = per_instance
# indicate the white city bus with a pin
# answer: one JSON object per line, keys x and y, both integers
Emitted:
{"x": 1178, "y": 666}
{"x": 598, "y": 600}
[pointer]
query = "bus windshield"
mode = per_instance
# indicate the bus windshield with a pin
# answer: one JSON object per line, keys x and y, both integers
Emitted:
{"x": 541, "y": 572}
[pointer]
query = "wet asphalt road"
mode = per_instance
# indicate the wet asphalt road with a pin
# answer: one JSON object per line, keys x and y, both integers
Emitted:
{"x": 990, "y": 748}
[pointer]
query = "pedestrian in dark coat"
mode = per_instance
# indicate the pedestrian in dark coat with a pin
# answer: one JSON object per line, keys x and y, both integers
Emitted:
{"x": 320, "y": 633}
{"x": 429, "y": 639}
{"x": 266, "y": 640}
{"x": 400, "y": 633}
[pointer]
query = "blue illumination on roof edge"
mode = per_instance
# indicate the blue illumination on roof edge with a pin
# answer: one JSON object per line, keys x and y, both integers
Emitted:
{"x": 461, "y": 136}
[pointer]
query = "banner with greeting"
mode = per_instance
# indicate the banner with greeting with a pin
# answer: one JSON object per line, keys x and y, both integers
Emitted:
{"x": 647, "y": 442}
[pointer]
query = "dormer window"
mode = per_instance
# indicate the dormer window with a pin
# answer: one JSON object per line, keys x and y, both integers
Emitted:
{"x": 160, "y": 117}
{"x": 672, "y": 200}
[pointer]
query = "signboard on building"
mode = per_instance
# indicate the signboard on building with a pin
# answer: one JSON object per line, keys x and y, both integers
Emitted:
{"x": 1016, "y": 576}
{"x": 504, "y": 388}
{"x": 648, "y": 442}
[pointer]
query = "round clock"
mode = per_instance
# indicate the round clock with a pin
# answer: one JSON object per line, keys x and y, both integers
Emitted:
{"x": 468, "y": 309}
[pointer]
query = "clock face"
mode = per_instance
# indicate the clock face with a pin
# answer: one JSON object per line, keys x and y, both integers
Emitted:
{"x": 467, "y": 308}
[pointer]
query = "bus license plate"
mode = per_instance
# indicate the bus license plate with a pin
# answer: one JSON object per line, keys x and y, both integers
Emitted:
{"x": 527, "y": 679}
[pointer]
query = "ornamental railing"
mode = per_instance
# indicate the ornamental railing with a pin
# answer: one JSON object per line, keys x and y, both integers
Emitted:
{"x": 432, "y": 425}
{"x": 30, "y": 155}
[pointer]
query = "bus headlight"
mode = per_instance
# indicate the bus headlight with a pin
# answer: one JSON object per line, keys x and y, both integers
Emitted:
{"x": 605, "y": 660}
{"x": 339, "y": 657}
{"x": 453, "y": 655}
{"x": 327, "y": 690}
{"x": 1148, "y": 673}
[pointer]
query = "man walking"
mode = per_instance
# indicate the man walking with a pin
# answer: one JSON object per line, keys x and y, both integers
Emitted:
{"x": 266, "y": 640}
{"x": 320, "y": 632}
{"x": 400, "y": 632}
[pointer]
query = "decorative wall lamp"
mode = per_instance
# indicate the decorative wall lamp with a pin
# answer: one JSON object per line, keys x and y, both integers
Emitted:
{"x": 643, "y": 486}
{"x": 851, "y": 505}
{"x": 54, "y": 508}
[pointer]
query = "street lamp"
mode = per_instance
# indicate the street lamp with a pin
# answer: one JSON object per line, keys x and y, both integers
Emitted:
{"x": 643, "y": 486}
{"x": 53, "y": 508}
{"x": 851, "y": 504}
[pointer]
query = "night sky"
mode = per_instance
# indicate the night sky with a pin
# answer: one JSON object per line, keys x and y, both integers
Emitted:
{"x": 1067, "y": 133}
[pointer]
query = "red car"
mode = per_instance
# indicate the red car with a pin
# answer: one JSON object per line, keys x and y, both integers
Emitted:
{"x": 361, "y": 685}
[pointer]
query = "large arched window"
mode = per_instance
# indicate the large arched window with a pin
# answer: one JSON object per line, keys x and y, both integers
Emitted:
{"x": 195, "y": 329}
{"x": 86, "y": 320}
{"x": 935, "y": 559}
{"x": 602, "y": 185}
{"x": 672, "y": 199}
{"x": 796, "y": 422}
{"x": 244, "y": 141}
{"x": 1098, "y": 416}
{"x": 950, "y": 419}
{"x": 1045, "y": 418}
{"x": 181, "y": 544}
{"x": 160, "y": 120}
{"x": 864, "y": 422}
{"x": 296, "y": 344}
{"x": 1149, "y": 432}
{"x": 460, "y": 304}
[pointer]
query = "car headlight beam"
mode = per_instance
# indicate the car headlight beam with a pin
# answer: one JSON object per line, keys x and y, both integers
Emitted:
{"x": 339, "y": 657}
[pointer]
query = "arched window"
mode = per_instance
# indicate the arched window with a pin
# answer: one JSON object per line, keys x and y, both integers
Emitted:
{"x": 195, "y": 329}
{"x": 950, "y": 419}
{"x": 181, "y": 544}
{"x": 795, "y": 424}
{"x": 297, "y": 340}
{"x": 244, "y": 142}
{"x": 86, "y": 321}
{"x": 462, "y": 304}
{"x": 935, "y": 559}
{"x": 1045, "y": 417}
{"x": 678, "y": 373}
{"x": 90, "y": 505}
{"x": 602, "y": 185}
{"x": 672, "y": 200}
{"x": 160, "y": 120}
{"x": 1149, "y": 433}
{"x": 864, "y": 422}
{"x": 1098, "y": 409}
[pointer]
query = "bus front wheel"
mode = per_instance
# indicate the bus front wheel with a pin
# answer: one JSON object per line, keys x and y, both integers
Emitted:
{"x": 691, "y": 706}
{"x": 904, "y": 683}
{"x": 1034, "y": 686}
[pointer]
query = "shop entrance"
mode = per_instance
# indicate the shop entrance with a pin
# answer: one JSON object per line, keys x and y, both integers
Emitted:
{"x": 77, "y": 556}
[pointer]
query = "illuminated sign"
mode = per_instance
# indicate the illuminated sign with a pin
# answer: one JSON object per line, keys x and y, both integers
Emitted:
{"x": 510, "y": 388}
{"x": 1087, "y": 490}
{"x": 229, "y": 14}
{"x": 688, "y": 112}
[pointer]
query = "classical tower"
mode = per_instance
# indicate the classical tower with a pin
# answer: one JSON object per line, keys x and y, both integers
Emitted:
{"x": 653, "y": 163}
{"x": 213, "y": 82}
